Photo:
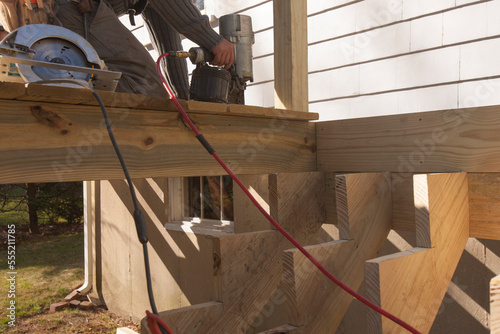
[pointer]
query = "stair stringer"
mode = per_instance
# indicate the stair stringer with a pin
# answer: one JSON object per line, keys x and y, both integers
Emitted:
{"x": 412, "y": 284}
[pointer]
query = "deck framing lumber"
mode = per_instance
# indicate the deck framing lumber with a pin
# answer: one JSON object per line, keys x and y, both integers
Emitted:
{"x": 290, "y": 54}
{"x": 54, "y": 142}
{"x": 438, "y": 141}
{"x": 412, "y": 284}
{"x": 314, "y": 303}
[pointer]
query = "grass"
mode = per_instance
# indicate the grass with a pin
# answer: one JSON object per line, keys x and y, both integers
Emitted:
{"x": 47, "y": 270}
{"x": 17, "y": 216}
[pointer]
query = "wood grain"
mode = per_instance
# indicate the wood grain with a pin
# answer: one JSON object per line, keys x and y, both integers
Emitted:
{"x": 495, "y": 305}
{"x": 438, "y": 141}
{"x": 315, "y": 304}
{"x": 484, "y": 204}
{"x": 290, "y": 54}
{"x": 81, "y": 96}
{"x": 71, "y": 143}
{"x": 248, "y": 266}
{"x": 251, "y": 264}
{"x": 411, "y": 284}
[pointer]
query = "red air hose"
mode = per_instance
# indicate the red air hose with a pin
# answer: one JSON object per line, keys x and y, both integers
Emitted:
{"x": 271, "y": 220}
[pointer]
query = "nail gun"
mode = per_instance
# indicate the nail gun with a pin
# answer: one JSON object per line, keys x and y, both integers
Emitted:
{"x": 214, "y": 84}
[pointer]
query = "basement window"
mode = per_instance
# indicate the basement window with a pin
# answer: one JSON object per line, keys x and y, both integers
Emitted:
{"x": 201, "y": 202}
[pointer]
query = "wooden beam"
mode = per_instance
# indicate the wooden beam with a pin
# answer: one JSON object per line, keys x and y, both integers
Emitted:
{"x": 495, "y": 305}
{"x": 247, "y": 218}
{"x": 290, "y": 54}
{"x": 484, "y": 204}
{"x": 70, "y": 95}
{"x": 411, "y": 284}
{"x": 47, "y": 142}
{"x": 438, "y": 141}
{"x": 315, "y": 304}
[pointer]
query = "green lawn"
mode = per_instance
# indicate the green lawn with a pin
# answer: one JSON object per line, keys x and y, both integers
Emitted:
{"x": 46, "y": 270}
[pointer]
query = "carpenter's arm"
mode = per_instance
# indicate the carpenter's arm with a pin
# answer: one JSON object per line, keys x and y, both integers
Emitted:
{"x": 185, "y": 17}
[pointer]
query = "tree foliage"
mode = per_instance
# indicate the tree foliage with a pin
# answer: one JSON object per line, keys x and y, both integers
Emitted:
{"x": 51, "y": 202}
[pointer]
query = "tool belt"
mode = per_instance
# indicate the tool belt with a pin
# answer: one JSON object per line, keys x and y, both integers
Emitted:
{"x": 17, "y": 13}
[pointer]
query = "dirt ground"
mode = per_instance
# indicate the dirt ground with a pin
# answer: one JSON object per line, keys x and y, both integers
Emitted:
{"x": 94, "y": 321}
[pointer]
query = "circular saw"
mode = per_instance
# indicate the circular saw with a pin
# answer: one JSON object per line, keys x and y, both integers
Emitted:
{"x": 41, "y": 52}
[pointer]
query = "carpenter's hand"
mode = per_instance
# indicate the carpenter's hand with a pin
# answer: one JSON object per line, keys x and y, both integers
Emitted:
{"x": 224, "y": 54}
{"x": 84, "y": 6}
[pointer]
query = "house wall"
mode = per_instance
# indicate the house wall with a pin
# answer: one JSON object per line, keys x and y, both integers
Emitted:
{"x": 380, "y": 57}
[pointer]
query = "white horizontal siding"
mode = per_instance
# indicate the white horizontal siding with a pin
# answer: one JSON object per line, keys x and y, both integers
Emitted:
{"x": 423, "y": 55}
{"x": 379, "y": 57}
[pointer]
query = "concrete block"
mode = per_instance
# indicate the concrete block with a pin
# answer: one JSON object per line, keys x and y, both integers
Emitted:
{"x": 383, "y": 42}
{"x": 74, "y": 303}
{"x": 465, "y": 24}
{"x": 73, "y": 295}
{"x": 427, "y": 32}
{"x": 480, "y": 59}
{"x": 378, "y": 76}
{"x": 58, "y": 306}
{"x": 331, "y": 24}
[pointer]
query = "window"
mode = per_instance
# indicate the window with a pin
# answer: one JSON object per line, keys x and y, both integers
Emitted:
{"x": 206, "y": 200}
{"x": 208, "y": 197}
